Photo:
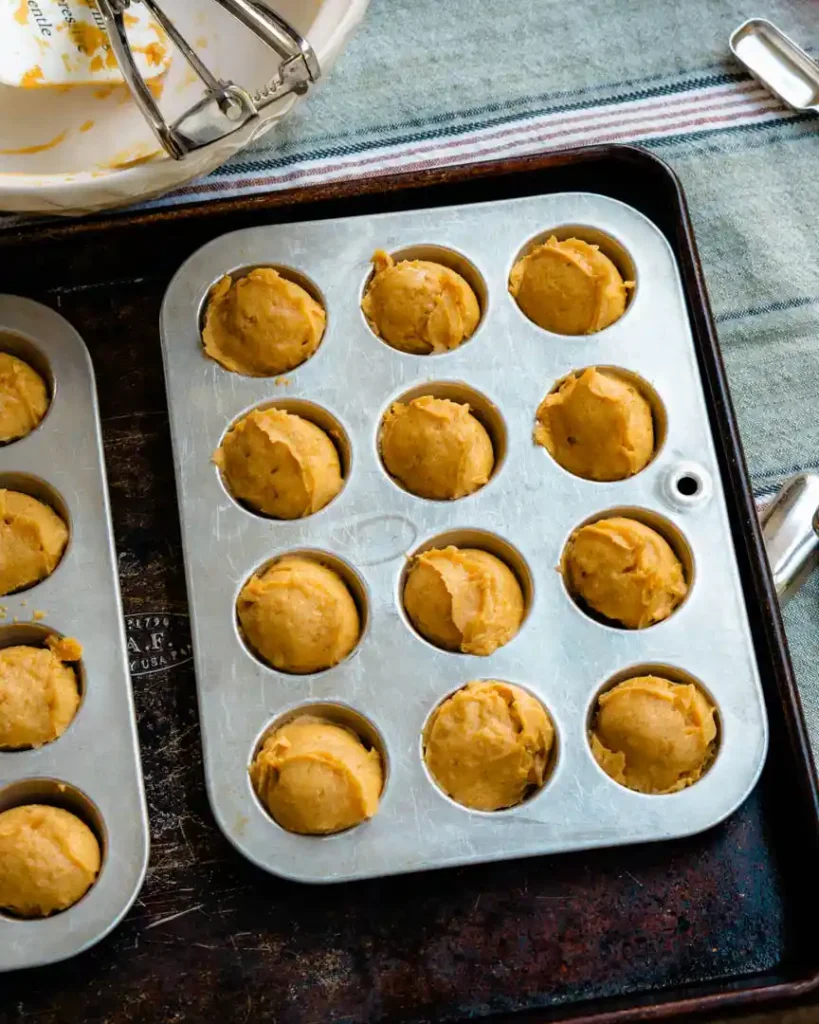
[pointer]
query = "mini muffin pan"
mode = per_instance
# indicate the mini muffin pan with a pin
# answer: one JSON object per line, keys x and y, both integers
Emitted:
{"x": 93, "y": 769}
{"x": 394, "y": 679}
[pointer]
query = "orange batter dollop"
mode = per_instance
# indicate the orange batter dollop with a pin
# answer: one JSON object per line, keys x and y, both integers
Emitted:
{"x": 653, "y": 735}
{"x": 419, "y": 306}
{"x": 569, "y": 287}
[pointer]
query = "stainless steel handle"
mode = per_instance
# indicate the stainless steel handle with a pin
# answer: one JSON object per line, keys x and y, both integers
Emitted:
{"x": 274, "y": 31}
{"x": 776, "y": 61}
{"x": 112, "y": 12}
{"x": 790, "y": 529}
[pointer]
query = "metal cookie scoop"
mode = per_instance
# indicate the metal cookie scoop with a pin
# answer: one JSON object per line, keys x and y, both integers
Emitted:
{"x": 225, "y": 107}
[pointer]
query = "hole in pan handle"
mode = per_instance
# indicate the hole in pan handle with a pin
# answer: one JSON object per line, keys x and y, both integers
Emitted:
{"x": 790, "y": 529}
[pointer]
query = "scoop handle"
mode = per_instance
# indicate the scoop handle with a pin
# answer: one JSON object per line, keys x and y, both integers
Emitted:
{"x": 790, "y": 530}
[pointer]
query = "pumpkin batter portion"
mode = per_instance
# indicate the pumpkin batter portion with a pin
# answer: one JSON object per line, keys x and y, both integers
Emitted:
{"x": 653, "y": 735}
{"x": 23, "y": 398}
{"x": 463, "y": 599}
{"x": 624, "y": 570}
{"x": 299, "y": 615}
{"x": 597, "y": 425}
{"x": 32, "y": 540}
{"x": 436, "y": 448}
{"x": 280, "y": 464}
{"x": 418, "y": 306}
{"x": 39, "y": 692}
{"x": 48, "y": 860}
{"x": 569, "y": 287}
{"x": 488, "y": 745}
{"x": 262, "y": 324}
{"x": 317, "y": 777}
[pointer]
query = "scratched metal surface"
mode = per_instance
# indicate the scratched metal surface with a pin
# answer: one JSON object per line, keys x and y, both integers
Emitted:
{"x": 211, "y": 936}
{"x": 393, "y": 679}
{"x": 62, "y": 462}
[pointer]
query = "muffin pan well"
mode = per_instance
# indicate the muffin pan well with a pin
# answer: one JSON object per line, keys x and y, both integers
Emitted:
{"x": 393, "y": 679}
{"x": 93, "y": 769}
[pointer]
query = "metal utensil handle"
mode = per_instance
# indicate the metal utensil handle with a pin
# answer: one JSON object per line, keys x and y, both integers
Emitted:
{"x": 783, "y": 58}
{"x": 212, "y": 84}
{"x": 790, "y": 529}
{"x": 112, "y": 13}
{"x": 274, "y": 31}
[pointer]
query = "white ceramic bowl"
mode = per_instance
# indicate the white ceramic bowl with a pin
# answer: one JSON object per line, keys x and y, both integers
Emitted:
{"x": 88, "y": 148}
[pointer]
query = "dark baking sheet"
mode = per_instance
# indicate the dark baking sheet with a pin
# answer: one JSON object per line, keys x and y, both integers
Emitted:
{"x": 638, "y": 933}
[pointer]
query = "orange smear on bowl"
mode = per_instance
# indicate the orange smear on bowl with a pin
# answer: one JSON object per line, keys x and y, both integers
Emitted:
{"x": 155, "y": 52}
{"x": 32, "y": 78}
{"x": 28, "y": 150}
{"x": 87, "y": 37}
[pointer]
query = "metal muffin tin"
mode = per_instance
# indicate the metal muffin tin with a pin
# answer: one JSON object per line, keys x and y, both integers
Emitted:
{"x": 93, "y": 769}
{"x": 394, "y": 679}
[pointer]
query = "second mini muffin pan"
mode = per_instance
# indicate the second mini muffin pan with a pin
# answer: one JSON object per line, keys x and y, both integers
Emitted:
{"x": 387, "y": 688}
{"x": 93, "y": 769}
